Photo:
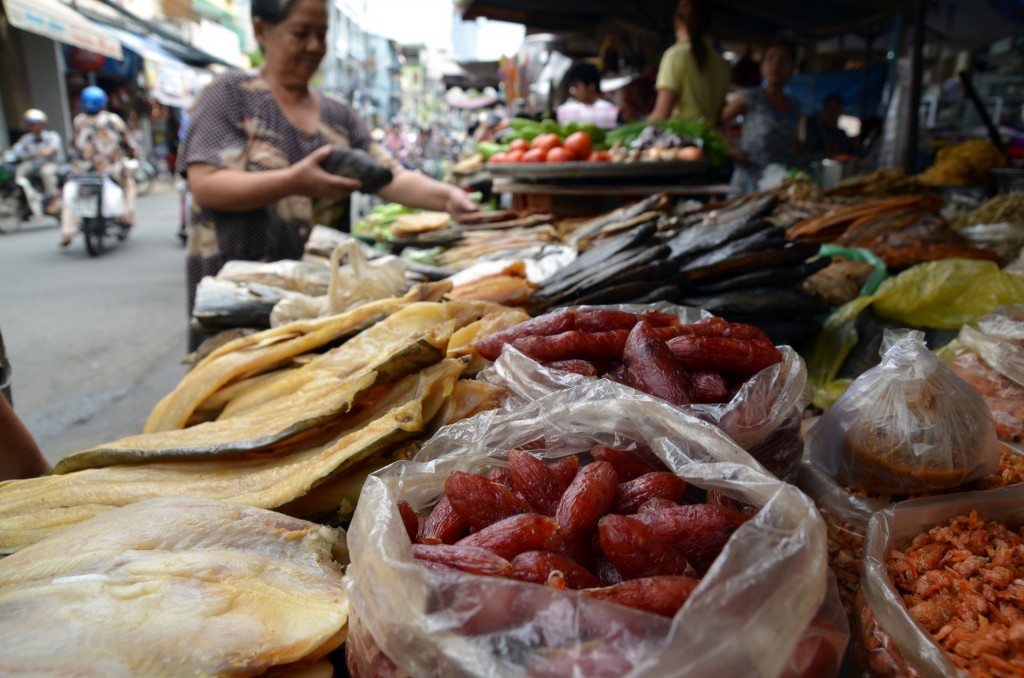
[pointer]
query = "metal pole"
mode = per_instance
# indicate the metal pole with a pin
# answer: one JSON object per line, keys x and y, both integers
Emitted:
{"x": 916, "y": 73}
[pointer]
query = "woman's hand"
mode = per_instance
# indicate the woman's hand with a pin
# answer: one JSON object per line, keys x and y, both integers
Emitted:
{"x": 459, "y": 203}
{"x": 310, "y": 179}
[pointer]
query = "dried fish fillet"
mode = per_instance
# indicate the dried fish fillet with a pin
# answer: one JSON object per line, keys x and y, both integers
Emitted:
{"x": 315, "y": 403}
{"x": 256, "y": 354}
{"x": 173, "y": 587}
{"x": 35, "y": 508}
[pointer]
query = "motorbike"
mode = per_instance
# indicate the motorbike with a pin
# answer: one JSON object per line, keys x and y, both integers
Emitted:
{"x": 97, "y": 201}
{"x": 23, "y": 199}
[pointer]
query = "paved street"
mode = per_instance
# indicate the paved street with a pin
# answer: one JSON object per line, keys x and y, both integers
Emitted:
{"x": 94, "y": 342}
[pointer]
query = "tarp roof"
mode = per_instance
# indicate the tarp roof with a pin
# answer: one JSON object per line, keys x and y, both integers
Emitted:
{"x": 966, "y": 23}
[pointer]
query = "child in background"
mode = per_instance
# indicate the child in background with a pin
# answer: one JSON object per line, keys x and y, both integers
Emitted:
{"x": 586, "y": 103}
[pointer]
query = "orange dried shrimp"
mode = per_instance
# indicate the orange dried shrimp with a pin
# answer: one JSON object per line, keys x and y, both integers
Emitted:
{"x": 964, "y": 582}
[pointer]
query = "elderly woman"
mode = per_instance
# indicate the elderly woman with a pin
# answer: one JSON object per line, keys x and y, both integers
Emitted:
{"x": 255, "y": 144}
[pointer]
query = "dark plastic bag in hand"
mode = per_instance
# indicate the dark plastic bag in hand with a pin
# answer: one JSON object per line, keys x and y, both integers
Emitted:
{"x": 358, "y": 164}
{"x": 908, "y": 425}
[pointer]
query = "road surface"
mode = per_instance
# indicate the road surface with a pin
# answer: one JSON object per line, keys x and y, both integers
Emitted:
{"x": 94, "y": 342}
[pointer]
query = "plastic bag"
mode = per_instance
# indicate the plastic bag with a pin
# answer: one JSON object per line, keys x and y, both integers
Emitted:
{"x": 908, "y": 425}
{"x": 745, "y": 618}
{"x": 895, "y": 528}
{"x": 355, "y": 283}
{"x": 999, "y": 341}
{"x": 296, "y": 276}
{"x": 762, "y": 418}
{"x": 943, "y": 294}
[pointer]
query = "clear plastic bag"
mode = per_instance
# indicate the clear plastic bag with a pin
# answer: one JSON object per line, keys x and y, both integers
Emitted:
{"x": 762, "y": 418}
{"x": 296, "y": 276}
{"x": 745, "y": 618}
{"x": 355, "y": 283}
{"x": 999, "y": 341}
{"x": 896, "y": 527}
{"x": 908, "y": 425}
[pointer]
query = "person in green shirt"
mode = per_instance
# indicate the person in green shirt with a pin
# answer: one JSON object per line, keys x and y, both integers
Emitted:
{"x": 693, "y": 77}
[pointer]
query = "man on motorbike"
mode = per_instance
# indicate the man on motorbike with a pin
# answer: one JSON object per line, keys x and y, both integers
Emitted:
{"x": 101, "y": 143}
{"x": 39, "y": 151}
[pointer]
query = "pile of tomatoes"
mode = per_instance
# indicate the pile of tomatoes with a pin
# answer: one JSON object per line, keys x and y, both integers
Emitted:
{"x": 576, "y": 147}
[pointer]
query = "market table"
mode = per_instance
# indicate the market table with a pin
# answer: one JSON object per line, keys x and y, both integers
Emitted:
{"x": 578, "y": 189}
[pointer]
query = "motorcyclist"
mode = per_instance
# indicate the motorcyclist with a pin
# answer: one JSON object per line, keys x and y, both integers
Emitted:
{"x": 102, "y": 143}
{"x": 39, "y": 152}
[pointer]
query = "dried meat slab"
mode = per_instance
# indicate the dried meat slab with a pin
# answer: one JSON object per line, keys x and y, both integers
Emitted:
{"x": 173, "y": 587}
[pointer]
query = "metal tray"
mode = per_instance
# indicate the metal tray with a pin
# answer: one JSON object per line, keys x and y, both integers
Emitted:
{"x": 599, "y": 170}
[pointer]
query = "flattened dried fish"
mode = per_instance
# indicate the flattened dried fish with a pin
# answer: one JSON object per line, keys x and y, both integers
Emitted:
{"x": 35, "y": 508}
{"x": 173, "y": 587}
{"x": 255, "y": 354}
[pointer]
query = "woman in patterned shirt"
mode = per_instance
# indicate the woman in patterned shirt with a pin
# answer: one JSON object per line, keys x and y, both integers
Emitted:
{"x": 255, "y": 144}
{"x": 771, "y": 118}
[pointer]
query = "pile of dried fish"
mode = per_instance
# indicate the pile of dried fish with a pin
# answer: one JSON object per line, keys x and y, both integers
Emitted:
{"x": 731, "y": 262}
{"x": 903, "y": 231}
{"x": 494, "y": 243}
{"x": 279, "y": 430}
{"x": 175, "y": 587}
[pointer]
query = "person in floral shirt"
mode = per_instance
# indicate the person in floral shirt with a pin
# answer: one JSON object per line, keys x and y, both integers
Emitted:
{"x": 256, "y": 142}
{"x": 100, "y": 142}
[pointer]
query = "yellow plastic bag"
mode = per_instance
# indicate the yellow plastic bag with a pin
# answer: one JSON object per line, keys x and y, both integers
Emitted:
{"x": 944, "y": 294}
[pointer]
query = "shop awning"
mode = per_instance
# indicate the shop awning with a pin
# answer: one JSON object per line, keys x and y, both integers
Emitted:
{"x": 56, "y": 21}
{"x": 170, "y": 80}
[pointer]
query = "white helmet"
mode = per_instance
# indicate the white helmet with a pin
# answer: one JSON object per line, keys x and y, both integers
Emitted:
{"x": 34, "y": 116}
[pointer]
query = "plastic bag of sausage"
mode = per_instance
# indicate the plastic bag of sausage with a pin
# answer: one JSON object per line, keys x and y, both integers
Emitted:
{"x": 908, "y": 425}
{"x": 737, "y": 380}
{"x": 756, "y": 603}
{"x": 938, "y": 584}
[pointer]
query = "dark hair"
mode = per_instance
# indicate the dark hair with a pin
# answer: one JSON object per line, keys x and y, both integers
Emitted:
{"x": 696, "y": 16}
{"x": 271, "y": 11}
{"x": 584, "y": 72}
{"x": 784, "y": 41}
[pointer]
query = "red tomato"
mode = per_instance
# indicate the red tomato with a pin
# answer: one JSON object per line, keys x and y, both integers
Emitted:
{"x": 515, "y": 156}
{"x": 600, "y": 156}
{"x": 546, "y": 142}
{"x": 519, "y": 145}
{"x": 579, "y": 144}
{"x": 498, "y": 158}
{"x": 559, "y": 154}
{"x": 534, "y": 155}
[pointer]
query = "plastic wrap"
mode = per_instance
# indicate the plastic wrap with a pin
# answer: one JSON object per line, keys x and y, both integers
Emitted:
{"x": 895, "y": 528}
{"x": 908, "y": 425}
{"x": 943, "y": 294}
{"x": 763, "y": 417}
{"x": 355, "y": 283}
{"x": 745, "y": 618}
{"x": 999, "y": 341}
{"x": 296, "y": 276}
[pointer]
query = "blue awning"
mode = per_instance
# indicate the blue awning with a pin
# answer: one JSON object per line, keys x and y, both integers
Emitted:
{"x": 170, "y": 80}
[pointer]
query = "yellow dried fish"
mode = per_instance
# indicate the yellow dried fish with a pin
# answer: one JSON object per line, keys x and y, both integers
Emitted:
{"x": 173, "y": 587}
{"x": 33, "y": 509}
{"x": 323, "y": 397}
{"x": 355, "y": 354}
{"x": 256, "y": 354}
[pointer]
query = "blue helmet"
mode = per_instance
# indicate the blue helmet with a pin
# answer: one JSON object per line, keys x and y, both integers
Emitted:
{"x": 94, "y": 99}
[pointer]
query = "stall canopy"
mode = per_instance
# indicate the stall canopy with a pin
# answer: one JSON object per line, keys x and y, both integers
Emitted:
{"x": 964, "y": 23}
{"x": 56, "y": 21}
{"x": 733, "y": 19}
{"x": 169, "y": 79}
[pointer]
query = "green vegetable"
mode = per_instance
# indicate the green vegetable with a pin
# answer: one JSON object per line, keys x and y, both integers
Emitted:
{"x": 377, "y": 224}
{"x": 551, "y": 127}
{"x": 426, "y": 256}
{"x": 489, "y": 148}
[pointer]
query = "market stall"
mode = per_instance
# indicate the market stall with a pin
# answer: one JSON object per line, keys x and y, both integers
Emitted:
{"x": 669, "y": 422}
